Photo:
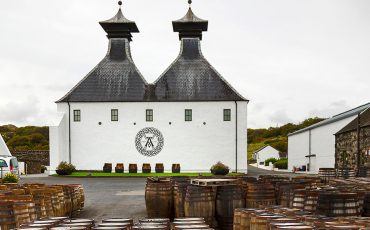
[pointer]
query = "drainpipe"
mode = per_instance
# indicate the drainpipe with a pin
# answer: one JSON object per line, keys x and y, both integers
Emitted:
{"x": 309, "y": 151}
{"x": 358, "y": 142}
{"x": 236, "y": 136}
{"x": 69, "y": 134}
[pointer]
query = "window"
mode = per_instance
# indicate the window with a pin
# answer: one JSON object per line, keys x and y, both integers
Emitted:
{"x": 188, "y": 115}
{"x": 114, "y": 114}
{"x": 149, "y": 115}
{"x": 76, "y": 115}
{"x": 227, "y": 114}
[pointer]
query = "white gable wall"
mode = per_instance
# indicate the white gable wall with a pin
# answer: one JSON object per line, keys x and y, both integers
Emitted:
{"x": 266, "y": 153}
{"x": 322, "y": 144}
{"x": 192, "y": 144}
{"x": 4, "y": 151}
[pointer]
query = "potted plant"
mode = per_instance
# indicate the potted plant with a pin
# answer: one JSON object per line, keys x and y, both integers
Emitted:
{"x": 43, "y": 168}
{"x": 220, "y": 169}
{"x": 65, "y": 168}
{"x": 10, "y": 178}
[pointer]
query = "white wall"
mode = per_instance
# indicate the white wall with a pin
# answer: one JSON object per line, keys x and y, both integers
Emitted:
{"x": 192, "y": 144}
{"x": 266, "y": 153}
{"x": 322, "y": 144}
{"x": 4, "y": 151}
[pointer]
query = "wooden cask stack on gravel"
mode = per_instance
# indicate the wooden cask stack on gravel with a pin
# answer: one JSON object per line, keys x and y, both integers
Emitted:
{"x": 22, "y": 204}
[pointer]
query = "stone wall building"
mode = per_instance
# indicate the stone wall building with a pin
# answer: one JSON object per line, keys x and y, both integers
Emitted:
{"x": 351, "y": 151}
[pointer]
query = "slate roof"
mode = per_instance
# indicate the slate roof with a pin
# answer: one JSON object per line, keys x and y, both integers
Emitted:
{"x": 116, "y": 78}
{"x": 352, "y": 126}
{"x": 192, "y": 78}
{"x": 335, "y": 118}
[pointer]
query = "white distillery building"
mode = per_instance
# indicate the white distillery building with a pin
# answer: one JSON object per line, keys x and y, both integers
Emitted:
{"x": 314, "y": 147}
{"x": 265, "y": 153}
{"x": 190, "y": 115}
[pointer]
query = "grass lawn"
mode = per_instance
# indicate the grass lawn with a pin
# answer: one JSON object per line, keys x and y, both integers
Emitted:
{"x": 102, "y": 174}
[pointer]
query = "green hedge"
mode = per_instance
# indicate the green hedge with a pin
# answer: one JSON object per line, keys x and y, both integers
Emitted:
{"x": 281, "y": 164}
{"x": 272, "y": 160}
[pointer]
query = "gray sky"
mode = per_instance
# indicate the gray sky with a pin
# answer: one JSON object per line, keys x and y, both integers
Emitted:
{"x": 292, "y": 58}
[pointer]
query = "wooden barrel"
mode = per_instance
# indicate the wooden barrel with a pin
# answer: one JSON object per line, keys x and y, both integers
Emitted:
{"x": 274, "y": 226}
{"x": 246, "y": 215}
{"x": 158, "y": 199}
{"x": 179, "y": 192}
{"x": 300, "y": 227}
{"x": 227, "y": 200}
{"x": 39, "y": 199}
{"x": 107, "y": 168}
{"x": 336, "y": 204}
{"x": 176, "y": 168}
{"x": 67, "y": 191}
{"x": 7, "y": 218}
{"x": 311, "y": 200}
{"x": 132, "y": 168}
{"x": 146, "y": 168}
{"x": 25, "y": 200}
{"x": 115, "y": 225}
{"x": 260, "y": 194}
{"x": 299, "y": 196}
{"x": 260, "y": 221}
{"x": 237, "y": 218}
{"x": 327, "y": 174}
{"x": 159, "y": 168}
{"x": 119, "y": 220}
{"x": 366, "y": 205}
{"x": 200, "y": 202}
{"x": 120, "y": 168}
{"x": 346, "y": 173}
{"x": 285, "y": 193}
{"x": 150, "y": 227}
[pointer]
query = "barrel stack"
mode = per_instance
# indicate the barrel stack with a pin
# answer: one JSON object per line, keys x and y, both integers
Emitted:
{"x": 23, "y": 204}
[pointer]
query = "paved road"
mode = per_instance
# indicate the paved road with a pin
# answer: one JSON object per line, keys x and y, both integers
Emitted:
{"x": 115, "y": 197}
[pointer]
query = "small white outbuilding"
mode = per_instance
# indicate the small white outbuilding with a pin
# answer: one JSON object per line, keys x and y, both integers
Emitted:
{"x": 265, "y": 153}
{"x": 4, "y": 151}
{"x": 313, "y": 147}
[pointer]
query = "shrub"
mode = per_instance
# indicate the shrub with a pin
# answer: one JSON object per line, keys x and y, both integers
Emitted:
{"x": 10, "y": 178}
{"x": 43, "y": 168}
{"x": 220, "y": 169}
{"x": 281, "y": 164}
{"x": 65, "y": 168}
{"x": 272, "y": 160}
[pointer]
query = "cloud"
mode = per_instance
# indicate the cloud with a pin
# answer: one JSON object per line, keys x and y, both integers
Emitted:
{"x": 280, "y": 117}
{"x": 332, "y": 109}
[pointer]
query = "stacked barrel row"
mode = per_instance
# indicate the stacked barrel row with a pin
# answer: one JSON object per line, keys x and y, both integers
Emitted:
{"x": 22, "y": 204}
{"x": 176, "y": 198}
{"x": 277, "y": 217}
{"x": 63, "y": 223}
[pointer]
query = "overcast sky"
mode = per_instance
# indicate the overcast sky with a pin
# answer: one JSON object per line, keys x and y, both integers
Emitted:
{"x": 292, "y": 59}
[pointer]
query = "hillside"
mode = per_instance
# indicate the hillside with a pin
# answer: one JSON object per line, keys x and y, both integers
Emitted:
{"x": 277, "y": 137}
{"x": 25, "y": 138}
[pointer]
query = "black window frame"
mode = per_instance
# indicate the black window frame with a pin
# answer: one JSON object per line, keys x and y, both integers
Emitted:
{"x": 227, "y": 114}
{"x": 114, "y": 114}
{"x": 77, "y": 115}
{"x": 188, "y": 115}
{"x": 149, "y": 117}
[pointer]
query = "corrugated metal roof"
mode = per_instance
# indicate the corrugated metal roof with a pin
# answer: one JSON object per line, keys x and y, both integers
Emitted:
{"x": 335, "y": 118}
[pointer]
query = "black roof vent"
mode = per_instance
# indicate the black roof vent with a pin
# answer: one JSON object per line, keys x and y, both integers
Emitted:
{"x": 119, "y": 26}
{"x": 190, "y": 26}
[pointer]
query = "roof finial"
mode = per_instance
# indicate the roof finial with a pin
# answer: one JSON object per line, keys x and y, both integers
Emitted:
{"x": 190, "y": 2}
{"x": 120, "y": 3}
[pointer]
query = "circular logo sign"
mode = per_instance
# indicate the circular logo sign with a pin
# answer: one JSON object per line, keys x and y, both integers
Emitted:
{"x": 149, "y": 142}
